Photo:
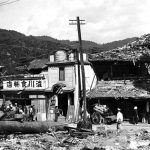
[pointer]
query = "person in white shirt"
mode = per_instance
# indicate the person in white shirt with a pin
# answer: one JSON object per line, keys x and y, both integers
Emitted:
{"x": 119, "y": 119}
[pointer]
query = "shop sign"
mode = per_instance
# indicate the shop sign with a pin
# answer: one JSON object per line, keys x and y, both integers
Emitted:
{"x": 24, "y": 84}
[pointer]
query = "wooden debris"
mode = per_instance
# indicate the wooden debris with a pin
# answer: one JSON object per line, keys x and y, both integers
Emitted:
{"x": 137, "y": 50}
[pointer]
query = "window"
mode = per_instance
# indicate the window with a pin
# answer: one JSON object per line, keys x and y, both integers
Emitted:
{"x": 61, "y": 74}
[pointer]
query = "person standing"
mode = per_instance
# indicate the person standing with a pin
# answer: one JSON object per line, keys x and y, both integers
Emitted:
{"x": 16, "y": 108}
{"x": 119, "y": 119}
{"x": 34, "y": 113}
{"x": 135, "y": 116}
{"x": 31, "y": 113}
{"x": 57, "y": 113}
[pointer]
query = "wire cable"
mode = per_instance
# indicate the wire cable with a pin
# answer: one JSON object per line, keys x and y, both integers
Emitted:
{"x": 7, "y": 2}
{"x": 4, "y": 2}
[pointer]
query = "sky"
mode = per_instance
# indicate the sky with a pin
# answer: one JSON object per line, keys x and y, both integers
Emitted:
{"x": 105, "y": 20}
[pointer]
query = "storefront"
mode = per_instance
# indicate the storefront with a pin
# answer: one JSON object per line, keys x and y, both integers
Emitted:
{"x": 26, "y": 91}
{"x": 123, "y": 95}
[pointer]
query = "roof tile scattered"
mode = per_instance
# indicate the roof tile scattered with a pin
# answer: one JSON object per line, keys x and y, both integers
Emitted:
{"x": 38, "y": 64}
{"x": 134, "y": 51}
{"x": 117, "y": 89}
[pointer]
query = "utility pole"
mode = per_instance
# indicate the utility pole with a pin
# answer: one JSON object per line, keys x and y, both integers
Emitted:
{"x": 78, "y": 22}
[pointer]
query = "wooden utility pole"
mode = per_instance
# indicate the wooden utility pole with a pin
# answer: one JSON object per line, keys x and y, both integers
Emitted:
{"x": 78, "y": 22}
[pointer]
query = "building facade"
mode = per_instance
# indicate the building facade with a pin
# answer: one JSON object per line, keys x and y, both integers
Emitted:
{"x": 50, "y": 83}
{"x": 27, "y": 89}
{"x": 123, "y": 79}
{"x": 64, "y": 80}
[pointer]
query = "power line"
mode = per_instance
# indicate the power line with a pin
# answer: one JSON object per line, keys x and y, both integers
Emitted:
{"x": 8, "y": 2}
{"x": 4, "y": 2}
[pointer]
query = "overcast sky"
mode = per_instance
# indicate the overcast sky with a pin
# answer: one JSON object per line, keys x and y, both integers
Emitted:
{"x": 106, "y": 20}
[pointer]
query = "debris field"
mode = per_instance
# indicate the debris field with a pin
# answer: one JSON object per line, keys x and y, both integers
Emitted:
{"x": 72, "y": 139}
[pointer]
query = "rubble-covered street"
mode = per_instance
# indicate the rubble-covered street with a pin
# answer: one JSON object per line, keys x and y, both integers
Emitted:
{"x": 103, "y": 138}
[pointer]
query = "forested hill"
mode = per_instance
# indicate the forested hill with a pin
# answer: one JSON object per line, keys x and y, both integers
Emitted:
{"x": 115, "y": 44}
{"x": 92, "y": 47}
{"x": 17, "y": 49}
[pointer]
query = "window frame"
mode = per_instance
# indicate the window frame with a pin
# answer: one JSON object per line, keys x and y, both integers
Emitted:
{"x": 61, "y": 73}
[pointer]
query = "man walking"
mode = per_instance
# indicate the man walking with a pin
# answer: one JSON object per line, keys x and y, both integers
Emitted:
{"x": 119, "y": 119}
{"x": 57, "y": 113}
{"x": 135, "y": 116}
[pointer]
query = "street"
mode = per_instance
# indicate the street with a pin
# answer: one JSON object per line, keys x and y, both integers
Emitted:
{"x": 105, "y": 137}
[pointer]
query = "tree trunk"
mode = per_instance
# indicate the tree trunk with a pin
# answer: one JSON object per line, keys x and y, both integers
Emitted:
{"x": 9, "y": 127}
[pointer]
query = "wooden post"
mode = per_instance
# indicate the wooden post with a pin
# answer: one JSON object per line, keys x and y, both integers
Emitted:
{"x": 76, "y": 94}
{"x": 79, "y": 85}
{"x": 81, "y": 61}
{"x": 82, "y": 66}
{"x": 4, "y": 98}
{"x": 47, "y": 107}
{"x": 147, "y": 106}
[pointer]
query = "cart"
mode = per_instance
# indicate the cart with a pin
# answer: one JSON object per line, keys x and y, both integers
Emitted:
{"x": 102, "y": 114}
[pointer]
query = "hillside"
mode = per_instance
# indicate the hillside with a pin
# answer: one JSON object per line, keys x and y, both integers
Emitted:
{"x": 17, "y": 49}
{"x": 89, "y": 46}
{"x": 115, "y": 44}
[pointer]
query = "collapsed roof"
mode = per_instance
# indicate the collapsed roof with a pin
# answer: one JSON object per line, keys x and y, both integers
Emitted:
{"x": 138, "y": 50}
{"x": 118, "y": 89}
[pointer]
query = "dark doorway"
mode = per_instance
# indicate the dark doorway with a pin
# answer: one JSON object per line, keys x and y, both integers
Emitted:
{"x": 63, "y": 103}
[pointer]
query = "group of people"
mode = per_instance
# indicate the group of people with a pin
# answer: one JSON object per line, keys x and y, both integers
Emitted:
{"x": 15, "y": 108}
{"x": 29, "y": 112}
{"x": 120, "y": 118}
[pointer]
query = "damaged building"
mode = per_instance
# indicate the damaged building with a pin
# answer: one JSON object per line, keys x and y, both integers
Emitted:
{"x": 28, "y": 89}
{"x": 51, "y": 82}
{"x": 64, "y": 83}
{"x": 123, "y": 79}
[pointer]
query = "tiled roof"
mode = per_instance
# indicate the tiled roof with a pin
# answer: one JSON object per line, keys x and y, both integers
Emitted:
{"x": 38, "y": 64}
{"x": 117, "y": 89}
{"x": 137, "y": 50}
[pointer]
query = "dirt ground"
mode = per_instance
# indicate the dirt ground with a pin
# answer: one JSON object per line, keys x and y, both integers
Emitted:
{"x": 104, "y": 137}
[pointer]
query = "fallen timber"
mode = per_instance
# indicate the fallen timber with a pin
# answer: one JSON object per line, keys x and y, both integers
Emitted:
{"x": 11, "y": 127}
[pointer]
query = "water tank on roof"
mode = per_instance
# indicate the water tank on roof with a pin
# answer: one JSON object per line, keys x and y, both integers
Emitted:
{"x": 71, "y": 57}
{"x": 60, "y": 56}
{"x": 51, "y": 58}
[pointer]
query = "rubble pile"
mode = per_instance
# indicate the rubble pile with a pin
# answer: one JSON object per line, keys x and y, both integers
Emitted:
{"x": 137, "y": 50}
{"x": 102, "y": 139}
{"x": 120, "y": 88}
{"x": 101, "y": 108}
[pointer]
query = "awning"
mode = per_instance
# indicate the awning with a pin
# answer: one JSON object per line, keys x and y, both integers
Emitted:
{"x": 117, "y": 89}
{"x": 59, "y": 88}
{"x": 26, "y": 91}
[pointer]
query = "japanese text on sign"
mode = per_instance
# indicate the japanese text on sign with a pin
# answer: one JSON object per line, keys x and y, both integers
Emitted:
{"x": 20, "y": 84}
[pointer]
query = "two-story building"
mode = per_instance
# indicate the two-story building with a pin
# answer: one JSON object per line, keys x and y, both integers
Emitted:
{"x": 64, "y": 80}
{"x": 123, "y": 78}
{"x": 50, "y": 83}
